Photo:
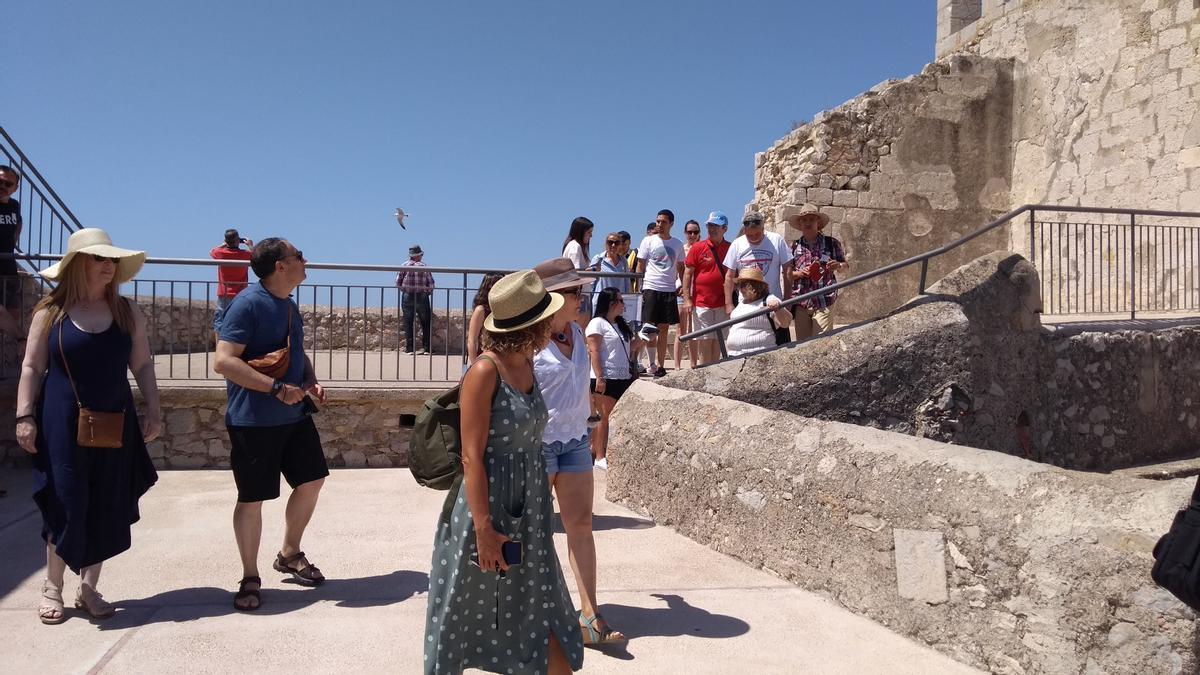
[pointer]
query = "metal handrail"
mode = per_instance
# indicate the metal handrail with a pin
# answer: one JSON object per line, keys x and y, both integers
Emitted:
{"x": 28, "y": 165}
{"x": 924, "y": 259}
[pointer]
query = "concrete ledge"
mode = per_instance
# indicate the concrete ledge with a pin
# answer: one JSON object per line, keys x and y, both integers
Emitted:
{"x": 1002, "y": 563}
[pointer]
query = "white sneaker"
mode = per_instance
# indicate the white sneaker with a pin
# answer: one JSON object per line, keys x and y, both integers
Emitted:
{"x": 602, "y": 464}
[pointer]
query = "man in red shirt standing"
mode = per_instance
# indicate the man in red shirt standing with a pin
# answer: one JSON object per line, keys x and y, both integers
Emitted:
{"x": 231, "y": 279}
{"x": 704, "y": 284}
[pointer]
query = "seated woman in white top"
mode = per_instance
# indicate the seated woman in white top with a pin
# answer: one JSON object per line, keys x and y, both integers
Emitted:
{"x": 754, "y": 334}
{"x": 609, "y": 340}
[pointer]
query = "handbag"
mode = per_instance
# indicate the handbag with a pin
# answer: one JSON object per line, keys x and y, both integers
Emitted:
{"x": 1177, "y": 554}
{"x": 275, "y": 364}
{"x": 95, "y": 429}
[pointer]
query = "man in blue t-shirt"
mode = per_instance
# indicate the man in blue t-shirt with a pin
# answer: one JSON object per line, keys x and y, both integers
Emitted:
{"x": 268, "y": 418}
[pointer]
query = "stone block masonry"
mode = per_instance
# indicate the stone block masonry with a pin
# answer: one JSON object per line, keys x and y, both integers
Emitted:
{"x": 359, "y": 428}
{"x": 1003, "y": 564}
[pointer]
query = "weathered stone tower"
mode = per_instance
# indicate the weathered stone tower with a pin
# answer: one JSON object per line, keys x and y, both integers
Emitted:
{"x": 1030, "y": 101}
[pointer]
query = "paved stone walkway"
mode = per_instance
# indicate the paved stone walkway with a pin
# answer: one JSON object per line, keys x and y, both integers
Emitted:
{"x": 687, "y": 608}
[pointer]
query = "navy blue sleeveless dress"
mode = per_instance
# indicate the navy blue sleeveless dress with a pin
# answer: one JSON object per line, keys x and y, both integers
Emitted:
{"x": 88, "y": 496}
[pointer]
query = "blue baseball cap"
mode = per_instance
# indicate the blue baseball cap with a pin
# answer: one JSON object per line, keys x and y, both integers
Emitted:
{"x": 717, "y": 218}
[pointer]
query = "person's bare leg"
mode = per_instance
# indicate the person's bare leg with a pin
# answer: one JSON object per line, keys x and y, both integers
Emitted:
{"x": 300, "y": 507}
{"x": 661, "y": 343}
{"x": 56, "y": 567}
{"x": 91, "y": 575}
{"x": 247, "y": 531}
{"x": 556, "y": 660}
{"x": 605, "y": 405}
{"x": 574, "y": 492}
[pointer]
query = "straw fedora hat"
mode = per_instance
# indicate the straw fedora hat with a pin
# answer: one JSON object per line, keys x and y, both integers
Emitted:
{"x": 518, "y": 301}
{"x": 94, "y": 241}
{"x": 751, "y": 274}
{"x": 558, "y": 273}
{"x": 795, "y": 216}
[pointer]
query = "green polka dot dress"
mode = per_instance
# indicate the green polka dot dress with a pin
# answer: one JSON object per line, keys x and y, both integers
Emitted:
{"x": 475, "y": 619}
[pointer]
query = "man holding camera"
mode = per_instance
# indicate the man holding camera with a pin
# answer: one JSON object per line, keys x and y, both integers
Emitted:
{"x": 231, "y": 279}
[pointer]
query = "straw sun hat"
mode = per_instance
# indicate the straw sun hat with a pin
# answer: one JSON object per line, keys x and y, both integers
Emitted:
{"x": 94, "y": 241}
{"x": 753, "y": 275}
{"x": 518, "y": 301}
{"x": 799, "y": 213}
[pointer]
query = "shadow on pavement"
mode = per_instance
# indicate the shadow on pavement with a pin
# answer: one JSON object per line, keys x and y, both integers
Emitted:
{"x": 190, "y": 604}
{"x": 24, "y": 552}
{"x": 601, "y": 523}
{"x": 677, "y": 618}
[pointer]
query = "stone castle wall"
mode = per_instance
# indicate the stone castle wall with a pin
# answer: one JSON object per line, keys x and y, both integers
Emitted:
{"x": 1033, "y": 101}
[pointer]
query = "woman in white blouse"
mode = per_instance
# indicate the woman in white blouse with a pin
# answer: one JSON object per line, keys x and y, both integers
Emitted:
{"x": 758, "y": 333}
{"x": 576, "y": 249}
{"x": 562, "y": 377}
{"x": 609, "y": 340}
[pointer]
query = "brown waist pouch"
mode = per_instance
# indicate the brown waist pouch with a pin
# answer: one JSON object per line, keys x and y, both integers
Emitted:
{"x": 275, "y": 364}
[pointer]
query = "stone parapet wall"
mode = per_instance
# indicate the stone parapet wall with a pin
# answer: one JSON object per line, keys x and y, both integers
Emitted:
{"x": 359, "y": 427}
{"x": 1001, "y": 563}
{"x": 179, "y": 326}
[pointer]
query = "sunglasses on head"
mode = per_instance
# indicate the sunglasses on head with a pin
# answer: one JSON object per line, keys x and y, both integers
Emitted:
{"x": 100, "y": 258}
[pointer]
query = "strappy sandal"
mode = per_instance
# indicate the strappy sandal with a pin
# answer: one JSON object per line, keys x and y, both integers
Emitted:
{"x": 52, "y": 604}
{"x": 605, "y": 635}
{"x": 243, "y": 593}
{"x": 89, "y": 600}
{"x": 308, "y": 575}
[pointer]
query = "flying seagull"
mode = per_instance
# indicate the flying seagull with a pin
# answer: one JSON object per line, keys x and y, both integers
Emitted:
{"x": 400, "y": 216}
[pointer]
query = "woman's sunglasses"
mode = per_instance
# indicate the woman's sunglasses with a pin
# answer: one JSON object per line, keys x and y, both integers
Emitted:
{"x": 569, "y": 291}
{"x": 695, "y": 232}
{"x": 100, "y": 258}
{"x": 610, "y": 242}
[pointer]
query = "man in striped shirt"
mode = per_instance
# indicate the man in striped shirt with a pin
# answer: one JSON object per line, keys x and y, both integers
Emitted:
{"x": 416, "y": 293}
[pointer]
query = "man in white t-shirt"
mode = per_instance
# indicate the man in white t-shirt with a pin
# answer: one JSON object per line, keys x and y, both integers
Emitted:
{"x": 660, "y": 260}
{"x": 765, "y": 251}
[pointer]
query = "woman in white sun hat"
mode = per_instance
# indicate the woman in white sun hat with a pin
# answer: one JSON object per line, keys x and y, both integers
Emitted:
{"x": 84, "y": 338}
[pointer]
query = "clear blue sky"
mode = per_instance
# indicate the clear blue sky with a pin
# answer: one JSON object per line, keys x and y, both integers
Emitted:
{"x": 493, "y": 124}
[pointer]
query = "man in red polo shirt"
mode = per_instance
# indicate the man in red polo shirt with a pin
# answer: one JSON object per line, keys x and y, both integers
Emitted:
{"x": 704, "y": 284}
{"x": 231, "y": 279}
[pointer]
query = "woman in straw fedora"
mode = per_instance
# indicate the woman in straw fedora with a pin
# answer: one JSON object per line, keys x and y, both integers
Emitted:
{"x": 484, "y": 612}
{"x": 757, "y": 333}
{"x": 84, "y": 338}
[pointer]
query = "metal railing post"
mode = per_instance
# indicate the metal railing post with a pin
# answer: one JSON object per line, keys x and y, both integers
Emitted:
{"x": 721, "y": 344}
{"x": 1133, "y": 267}
{"x": 924, "y": 274}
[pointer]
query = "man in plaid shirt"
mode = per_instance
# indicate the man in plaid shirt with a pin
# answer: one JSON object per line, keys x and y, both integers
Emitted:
{"x": 815, "y": 258}
{"x": 416, "y": 289}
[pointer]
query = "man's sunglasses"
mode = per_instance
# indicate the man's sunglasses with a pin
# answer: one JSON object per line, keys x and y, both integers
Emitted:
{"x": 100, "y": 258}
{"x": 611, "y": 242}
{"x": 6, "y": 184}
{"x": 299, "y": 255}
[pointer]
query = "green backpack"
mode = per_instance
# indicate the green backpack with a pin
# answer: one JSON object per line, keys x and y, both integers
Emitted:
{"x": 435, "y": 447}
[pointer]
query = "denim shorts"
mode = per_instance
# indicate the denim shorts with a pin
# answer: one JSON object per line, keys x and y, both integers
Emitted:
{"x": 574, "y": 456}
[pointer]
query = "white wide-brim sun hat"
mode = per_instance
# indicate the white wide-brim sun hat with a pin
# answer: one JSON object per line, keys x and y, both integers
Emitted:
{"x": 518, "y": 301}
{"x": 94, "y": 241}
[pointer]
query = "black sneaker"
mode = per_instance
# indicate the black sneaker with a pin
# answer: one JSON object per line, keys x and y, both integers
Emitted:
{"x": 661, "y": 372}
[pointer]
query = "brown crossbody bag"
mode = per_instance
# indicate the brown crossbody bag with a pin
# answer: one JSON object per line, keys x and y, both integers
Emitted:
{"x": 96, "y": 429}
{"x": 275, "y": 364}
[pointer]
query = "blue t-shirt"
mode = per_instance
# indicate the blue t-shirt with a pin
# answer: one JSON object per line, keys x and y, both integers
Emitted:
{"x": 258, "y": 320}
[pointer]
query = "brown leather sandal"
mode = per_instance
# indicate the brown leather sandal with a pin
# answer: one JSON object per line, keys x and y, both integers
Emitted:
{"x": 243, "y": 593}
{"x": 306, "y": 573}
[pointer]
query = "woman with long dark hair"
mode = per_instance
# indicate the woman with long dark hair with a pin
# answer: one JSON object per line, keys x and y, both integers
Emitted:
{"x": 478, "y": 314}
{"x": 610, "y": 343}
{"x": 84, "y": 340}
{"x": 575, "y": 249}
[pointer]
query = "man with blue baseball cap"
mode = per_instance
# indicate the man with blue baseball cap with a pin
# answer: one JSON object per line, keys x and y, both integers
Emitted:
{"x": 704, "y": 284}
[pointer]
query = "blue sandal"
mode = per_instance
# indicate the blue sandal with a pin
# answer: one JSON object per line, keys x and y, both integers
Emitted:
{"x": 603, "y": 636}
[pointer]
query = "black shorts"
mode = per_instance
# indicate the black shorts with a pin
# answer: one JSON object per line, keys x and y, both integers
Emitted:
{"x": 614, "y": 389}
{"x": 260, "y": 454}
{"x": 658, "y": 307}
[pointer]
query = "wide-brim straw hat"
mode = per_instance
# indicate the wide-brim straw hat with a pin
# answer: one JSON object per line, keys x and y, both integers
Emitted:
{"x": 751, "y": 274}
{"x": 94, "y": 241}
{"x": 558, "y": 273}
{"x": 518, "y": 301}
{"x": 794, "y": 217}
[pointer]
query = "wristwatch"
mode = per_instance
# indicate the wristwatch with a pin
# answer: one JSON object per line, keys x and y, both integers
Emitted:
{"x": 276, "y": 387}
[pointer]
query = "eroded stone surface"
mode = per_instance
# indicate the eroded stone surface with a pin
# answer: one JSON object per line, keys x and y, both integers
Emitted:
{"x": 1045, "y": 562}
